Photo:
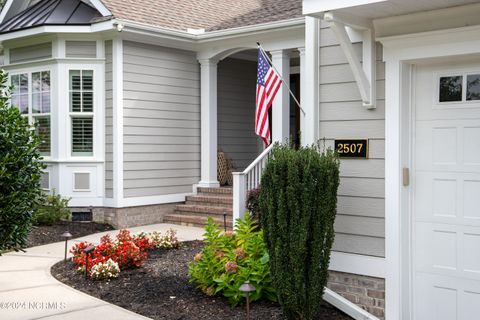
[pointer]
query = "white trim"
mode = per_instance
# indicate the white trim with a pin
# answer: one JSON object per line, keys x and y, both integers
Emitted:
{"x": 311, "y": 82}
{"x": 101, "y": 7}
{"x": 117, "y": 84}
{"x": 49, "y": 61}
{"x": 209, "y": 123}
{"x": 85, "y": 202}
{"x": 152, "y": 200}
{"x": 400, "y": 54}
{"x": 281, "y": 103}
{"x": 5, "y": 10}
{"x": 346, "y": 306}
{"x": 96, "y": 27}
{"x": 311, "y": 7}
{"x": 364, "y": 73}
{"x": 131, "y": 26}
{"x": 357, "y": 264}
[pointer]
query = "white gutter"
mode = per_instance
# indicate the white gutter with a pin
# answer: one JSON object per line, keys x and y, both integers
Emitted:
{"x": 209, "y": 35}
{"x": 97, "y": 27}
{"x": 166, "y": 33}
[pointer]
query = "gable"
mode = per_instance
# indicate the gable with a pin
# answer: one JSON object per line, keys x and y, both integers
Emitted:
{"x": 51, "y": 12}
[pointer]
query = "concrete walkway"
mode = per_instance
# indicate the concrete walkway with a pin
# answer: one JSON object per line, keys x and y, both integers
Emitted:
{"x": 28, "y": 290}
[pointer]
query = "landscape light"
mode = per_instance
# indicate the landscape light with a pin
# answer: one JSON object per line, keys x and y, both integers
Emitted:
{"x": 67, "y": 235}
{"x": 247, "y": 288}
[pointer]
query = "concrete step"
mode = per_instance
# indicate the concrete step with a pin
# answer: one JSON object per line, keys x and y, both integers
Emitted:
{"x": 216, "y": 191}
{"x": 195, "y": 221}
{"x": 210, "y": 200}
{"x": 189, "y": 209}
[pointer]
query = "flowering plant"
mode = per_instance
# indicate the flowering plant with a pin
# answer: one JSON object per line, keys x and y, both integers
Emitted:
{"x": 105, "y": 270}
{"x": 127, "y": 251}
{"x": 228, "y": 259}
{"x": 167, "y": 241}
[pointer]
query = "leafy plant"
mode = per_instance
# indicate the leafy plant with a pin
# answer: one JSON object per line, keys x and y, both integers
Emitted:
{"x": 52, "y": 209}
{"x": 168, "y": 240}
{"x": 298, "y": 204}
{"x": 20, "y": 171}
{"x": 105, "y": 270}
{"x": 253, "y": 204}
{"x": 229, "y": 259}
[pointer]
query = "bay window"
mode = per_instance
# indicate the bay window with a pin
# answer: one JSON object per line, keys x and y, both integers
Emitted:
{"x": 31, "y": 95}
{"x": 81, "y": 111}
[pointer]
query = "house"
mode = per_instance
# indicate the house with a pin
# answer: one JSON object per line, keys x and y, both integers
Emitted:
{"x": 134, "y": 98}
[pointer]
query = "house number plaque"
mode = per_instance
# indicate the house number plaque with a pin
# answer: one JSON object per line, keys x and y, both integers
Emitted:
{"x": 352, "y": 148}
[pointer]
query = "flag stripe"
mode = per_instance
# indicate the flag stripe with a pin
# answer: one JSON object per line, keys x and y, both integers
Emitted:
{"x": 268, "y": 85}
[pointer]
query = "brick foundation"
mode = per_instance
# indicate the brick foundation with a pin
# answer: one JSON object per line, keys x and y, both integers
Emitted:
{"x": 131, "y": 216}
{"x": 366, "y": 292}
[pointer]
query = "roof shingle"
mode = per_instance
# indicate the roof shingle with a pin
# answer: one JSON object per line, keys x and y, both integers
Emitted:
{"x": 204, "y": 14}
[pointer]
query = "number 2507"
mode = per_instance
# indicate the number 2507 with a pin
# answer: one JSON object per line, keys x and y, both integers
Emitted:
{"x": 349, "y": 147}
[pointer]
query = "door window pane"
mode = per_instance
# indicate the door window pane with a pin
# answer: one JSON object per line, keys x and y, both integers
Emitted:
{"x": 473, "y": 87}
{"x": 451, "y": 88}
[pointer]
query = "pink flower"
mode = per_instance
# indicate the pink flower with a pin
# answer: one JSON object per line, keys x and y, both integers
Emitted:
{"x": 229, "y": 234}
{"x": 240, "y": 253}
{"x": 231, "y": 267}
{"x": 219, "y": 254}
{"x": 198, "y": 257}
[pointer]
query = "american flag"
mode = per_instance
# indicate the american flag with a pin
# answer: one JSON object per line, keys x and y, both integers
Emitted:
{"x": 268, "y": 84}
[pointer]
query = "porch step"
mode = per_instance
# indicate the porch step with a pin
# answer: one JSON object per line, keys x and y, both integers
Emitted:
{"x": 194, "y": 220}
{"x": 203, "y": 210}
{"x": 208, "y": 202}
{"x": 216, "y": 191}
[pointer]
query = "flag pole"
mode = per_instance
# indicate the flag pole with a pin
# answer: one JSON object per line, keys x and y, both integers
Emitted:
{"x": 283, "y": 80}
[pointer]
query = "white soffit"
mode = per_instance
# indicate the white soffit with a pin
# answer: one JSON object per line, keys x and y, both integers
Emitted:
{"x": 376, "y": 9}
{"x": 317, "y": 6}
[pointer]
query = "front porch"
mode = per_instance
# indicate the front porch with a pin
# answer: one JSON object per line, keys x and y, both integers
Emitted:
{"x": 228, "y": 89}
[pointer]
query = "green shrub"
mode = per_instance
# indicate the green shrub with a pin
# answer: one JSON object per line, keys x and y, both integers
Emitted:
{"x": 229, "y": 259}
{"x": 52, "y": 209}
{"x": 20, "y": 171}
{"x": 298, "y": 205}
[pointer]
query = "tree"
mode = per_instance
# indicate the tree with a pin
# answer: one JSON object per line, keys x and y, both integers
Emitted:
{"x": 298, "y": 202}
{"x": 20, "y": 171}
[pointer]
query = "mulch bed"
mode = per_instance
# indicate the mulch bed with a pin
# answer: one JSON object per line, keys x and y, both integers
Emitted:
{"x": 40, "y": 235}
{"x": 160, "y": 290}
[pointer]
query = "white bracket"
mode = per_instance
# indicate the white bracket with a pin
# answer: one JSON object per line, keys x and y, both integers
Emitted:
{"x": 363, "y": 71}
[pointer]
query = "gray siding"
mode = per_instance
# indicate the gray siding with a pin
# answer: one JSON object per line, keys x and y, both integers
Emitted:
{"x": 81, "y": 49}
{"x": 29, "y": 53}
{"x": 108, "y": 121}
{"x": 161, "y": 120}
{"x": 236, "y": 111}
{"x": 360, "y": 224}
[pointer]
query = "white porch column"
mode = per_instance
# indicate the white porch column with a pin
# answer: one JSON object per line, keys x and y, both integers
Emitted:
{"x": 303, "y": 116}
{"x": 311, "y": 84}
{"x": 208, "y": 131}
{"x": 281, "y": 103}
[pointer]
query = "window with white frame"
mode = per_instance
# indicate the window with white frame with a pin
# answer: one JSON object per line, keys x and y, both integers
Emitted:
{"x": 31, "y": 95}
{"x": 81, "y": 111}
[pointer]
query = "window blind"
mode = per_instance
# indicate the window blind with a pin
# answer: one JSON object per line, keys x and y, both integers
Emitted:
{"x": 82, "y": 136}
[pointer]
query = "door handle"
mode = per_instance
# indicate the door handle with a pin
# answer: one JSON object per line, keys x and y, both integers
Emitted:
{"x": 406, "y": 177}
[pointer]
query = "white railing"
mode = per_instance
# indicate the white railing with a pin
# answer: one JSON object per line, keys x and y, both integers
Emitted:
{"x": 247, "y": 180}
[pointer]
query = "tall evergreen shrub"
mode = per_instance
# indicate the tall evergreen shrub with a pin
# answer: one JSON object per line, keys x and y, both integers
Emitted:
{"x": 20, "y": 170}
{"x": 298, "y": 204}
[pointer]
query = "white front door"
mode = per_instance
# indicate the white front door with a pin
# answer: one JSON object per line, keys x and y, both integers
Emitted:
{"x": 446, "y": 192}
